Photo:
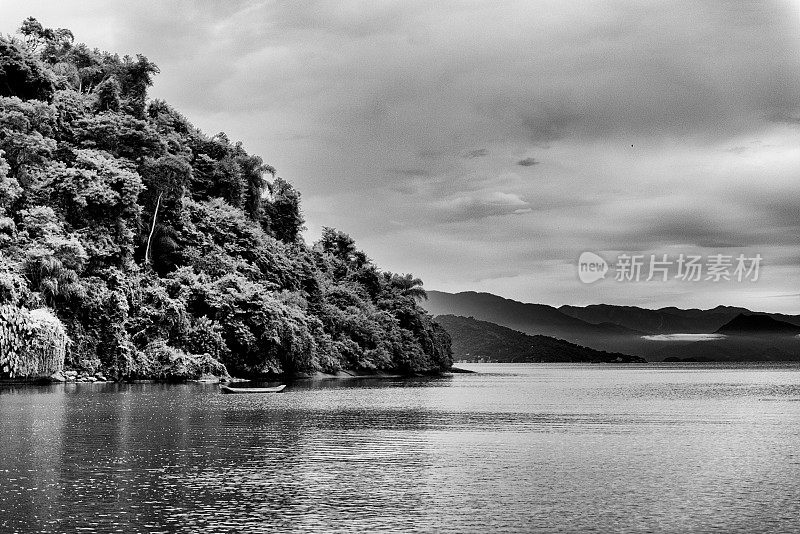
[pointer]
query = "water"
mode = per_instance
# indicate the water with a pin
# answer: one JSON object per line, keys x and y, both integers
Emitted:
{"x": 514, "y": 448}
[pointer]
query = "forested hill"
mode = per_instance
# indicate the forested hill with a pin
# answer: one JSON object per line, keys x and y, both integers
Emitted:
{"x": 164, "y": 252}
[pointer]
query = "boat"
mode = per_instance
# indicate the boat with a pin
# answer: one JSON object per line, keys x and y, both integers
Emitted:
{"x": 228, "y": 389}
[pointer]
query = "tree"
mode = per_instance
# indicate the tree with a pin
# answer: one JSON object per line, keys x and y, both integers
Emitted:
{"x": 97, "y": 194}
{"x": 26, "y": 128}
{"x": 10, "y": 190}
{"x": 54, "y": 41}
{"x": 34, "y": 33}
{"x": 90, "y": 66}
{"x": 108, "y": 95}
{"x": 338, "y": 244}
{"x": 406, "y": 285}
{"x": 285, "y": 219}
{"x": 120, "y": 134}
{"x": 22, "y": 75}
{"x": 52, "y": 259}
{"x": 135, "y": 76}
{"x": 252, "y": 170}
{"x": 165, "y": 180}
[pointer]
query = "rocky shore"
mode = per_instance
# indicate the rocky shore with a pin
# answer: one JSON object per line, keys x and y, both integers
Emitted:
{"x": 78, "y": 376}
{"x": 74, "y": 376}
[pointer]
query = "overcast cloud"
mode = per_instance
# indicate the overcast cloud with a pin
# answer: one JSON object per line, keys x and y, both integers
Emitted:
{"x": 485, "y": 146}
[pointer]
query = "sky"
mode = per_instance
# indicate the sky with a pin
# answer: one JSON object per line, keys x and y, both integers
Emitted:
{"x": 485, "y": 146}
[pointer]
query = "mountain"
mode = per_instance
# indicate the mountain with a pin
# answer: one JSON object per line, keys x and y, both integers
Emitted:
{"x": 744, "y": 324}
{"x": 536, "y": 319}
{"x": 669, "y": 320}
{"x": 475, "y": 340}
{"x": 529, "y": 318}
{"x": 663, "y": 321}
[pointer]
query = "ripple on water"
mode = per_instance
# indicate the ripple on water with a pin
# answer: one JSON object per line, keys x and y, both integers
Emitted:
{"x": 523, "y": 448}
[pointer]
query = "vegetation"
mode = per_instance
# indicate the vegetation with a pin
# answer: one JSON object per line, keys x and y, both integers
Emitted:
{"x": 167, "y": 253}
{"x": 32, "y": 343}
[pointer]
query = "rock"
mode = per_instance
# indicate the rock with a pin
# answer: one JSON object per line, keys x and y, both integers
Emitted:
{"x": 70, "y": 374}
{"x": 58, "y": 377}
{"x": 100, "y": 377}
{"x": 231, "y": 380}
{"x": 90, "y": 379}
{"x": 208, "y": 379}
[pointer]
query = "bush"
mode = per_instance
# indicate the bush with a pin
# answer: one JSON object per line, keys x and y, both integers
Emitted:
{"x": 23, "y": 75}
{"x": 159, "y": 360}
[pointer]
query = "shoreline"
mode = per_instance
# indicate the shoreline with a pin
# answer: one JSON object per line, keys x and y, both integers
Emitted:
{"x": 73, "y": 377}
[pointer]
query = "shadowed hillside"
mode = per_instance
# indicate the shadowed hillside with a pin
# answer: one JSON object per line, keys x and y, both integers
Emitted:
{"x": 536, "y": 319}
{"x": 475, "y": 340}
{"x": 744, "y": 324}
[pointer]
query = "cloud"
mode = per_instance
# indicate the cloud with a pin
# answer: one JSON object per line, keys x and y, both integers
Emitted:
{"x": 477, "y": 153}
{"x": 479, "y": 206}
{"x": 411, "y": 112}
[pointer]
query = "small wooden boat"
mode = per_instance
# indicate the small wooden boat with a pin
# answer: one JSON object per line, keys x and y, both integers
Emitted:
{"x": 228, "y": 389}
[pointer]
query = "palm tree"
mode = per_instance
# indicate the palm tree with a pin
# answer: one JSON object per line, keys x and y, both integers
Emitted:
{"x": 408, "y": 286}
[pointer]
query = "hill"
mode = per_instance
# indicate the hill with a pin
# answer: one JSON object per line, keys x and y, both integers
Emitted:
{"x": 746, "y": 324}
{"x": 536, "y": 319}
{"x": 475, "y": 340}
{"x": 168, "y": 253}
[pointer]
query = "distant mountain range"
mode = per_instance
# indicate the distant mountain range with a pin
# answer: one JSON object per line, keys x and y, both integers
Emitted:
{"x": 475, "y": 340}
{"x": 742, "y": 335}
{"x": 665, "y": 320}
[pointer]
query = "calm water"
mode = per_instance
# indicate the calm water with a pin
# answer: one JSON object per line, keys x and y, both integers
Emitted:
{"x": 514, "y": 448}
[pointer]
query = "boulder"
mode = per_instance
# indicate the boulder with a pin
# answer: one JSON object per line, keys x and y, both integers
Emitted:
{"x": 58, "y": 377}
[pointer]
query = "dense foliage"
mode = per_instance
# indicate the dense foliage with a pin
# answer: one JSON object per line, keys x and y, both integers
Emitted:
{"x": 168, "y": 253}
